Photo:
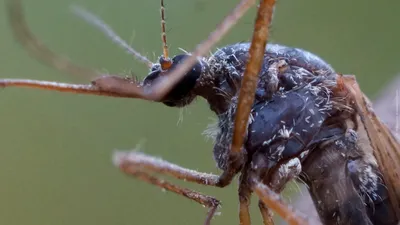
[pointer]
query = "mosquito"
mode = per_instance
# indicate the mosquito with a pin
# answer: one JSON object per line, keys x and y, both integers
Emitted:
{"x": 283, "y": 113}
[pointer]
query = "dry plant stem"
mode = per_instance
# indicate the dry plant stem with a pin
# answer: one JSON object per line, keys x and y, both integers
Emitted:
{"x": 253, "y": 67}
{"x": 274, "y": 202}
{"x": 208, "y": 201}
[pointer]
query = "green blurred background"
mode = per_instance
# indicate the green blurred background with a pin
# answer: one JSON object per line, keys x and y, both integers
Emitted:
{"x": 55, "y": 158}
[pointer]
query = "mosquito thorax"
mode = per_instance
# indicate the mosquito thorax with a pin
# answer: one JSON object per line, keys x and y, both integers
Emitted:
{"x": 182, "y": 94}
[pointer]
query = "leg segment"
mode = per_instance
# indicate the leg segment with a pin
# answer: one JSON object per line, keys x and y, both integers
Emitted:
{"x": 265, "y": 213}
{"x": 125, "y": 87}
{"x": 248, "y": 88}
{"x": 133, "y": 161}
{"x": 253, "y": 67}
{"x": 276, "y": 178}
{"x": 244, "y": 200}
{"x": 277, "y": 181}
{"x": 265, "y": 182}
{"x": 274, "y": 201}
{"x": 208, "y": 201}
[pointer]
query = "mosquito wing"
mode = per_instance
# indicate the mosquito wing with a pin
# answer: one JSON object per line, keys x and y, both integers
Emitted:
{"x": 386, "y": 147}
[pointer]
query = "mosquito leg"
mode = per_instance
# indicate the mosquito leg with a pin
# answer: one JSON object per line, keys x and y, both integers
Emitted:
{"x": 137, "y": 160}
{"x": 274, "y": 202}
{"x": 248, "y": 88}
{"x": 246, "y": 99}
{"x": 110, "y": 86}
{"x": 208, "y": 201}
{"x": 244, "y": 200}
{"x": 265, "y": 213}
{"x": 253, "y": 67}
{"x": 134, "y": 161}
{"x": 266, "y": 183}
{"x": 277, "y": 181}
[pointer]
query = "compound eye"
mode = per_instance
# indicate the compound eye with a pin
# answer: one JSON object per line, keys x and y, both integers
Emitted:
{"x": 181, "y": 94}
{"x": 178, "y": 59}
{"x": 183, "y": 88}
{"x": 154, "y": 74}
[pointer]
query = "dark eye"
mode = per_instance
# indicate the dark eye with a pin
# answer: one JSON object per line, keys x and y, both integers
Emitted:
{"x": 152, "y": 76}
{"x": 181, "y": 94}
{"x": 183, "y": 88}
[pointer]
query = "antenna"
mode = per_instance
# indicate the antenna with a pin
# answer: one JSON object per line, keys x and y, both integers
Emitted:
{"x": 165, "y": 61}
{"x": 108, "y": 31}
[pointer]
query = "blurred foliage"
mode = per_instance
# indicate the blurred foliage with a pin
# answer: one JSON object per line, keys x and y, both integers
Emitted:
{"x": 55, "y": 148}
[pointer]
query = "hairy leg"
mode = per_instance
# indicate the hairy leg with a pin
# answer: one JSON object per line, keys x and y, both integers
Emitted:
{"x": 274, "y": 202}
{"x": 265, "y": 213}
{"x": 244, "y": 200}
{"x": 208, "y": 201}
{"x": 132, "y": 162}
{"x": 139, "y": 161}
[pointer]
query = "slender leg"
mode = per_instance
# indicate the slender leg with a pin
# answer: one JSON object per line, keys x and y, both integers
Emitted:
{"x": 138, "y": 161}
{"x": 236, "y": 156}
{"x": 132, "y": 162}
{"x": 274, "y": 202}
{"x": 126, "y": 88}
{"x": 251, "y": 73}
{"x": 208, "y": 201}
{"x": 246, "y": 99}
{"x": 265, "y": 213}
{"x": 244, "y": 200}
{"x": 277, "y": 181}
{"x": 275, "y": 178}
{"x": 248, "y": 88}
